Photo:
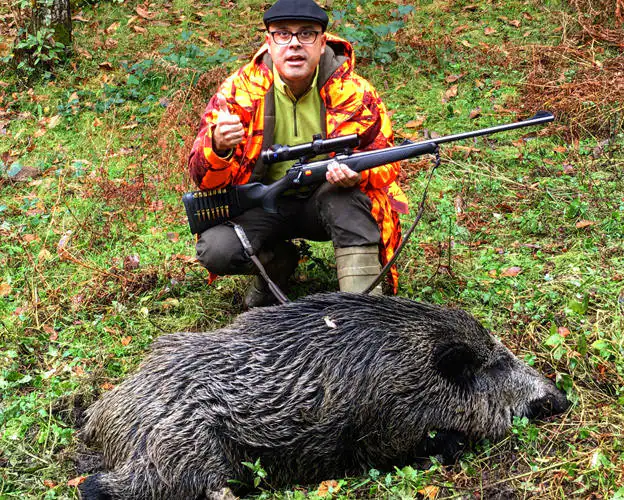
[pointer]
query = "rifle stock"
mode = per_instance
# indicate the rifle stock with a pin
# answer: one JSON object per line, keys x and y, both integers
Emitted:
{"x": 205, "y": 209}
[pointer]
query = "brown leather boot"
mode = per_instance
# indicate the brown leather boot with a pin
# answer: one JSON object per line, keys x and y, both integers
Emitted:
{"x": 279, "y": 262}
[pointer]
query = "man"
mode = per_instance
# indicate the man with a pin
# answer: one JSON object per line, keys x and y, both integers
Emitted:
{"x": 300, "y": 83}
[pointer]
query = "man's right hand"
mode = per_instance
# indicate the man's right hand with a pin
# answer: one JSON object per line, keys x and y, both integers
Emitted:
{"x": 228, "y": 131}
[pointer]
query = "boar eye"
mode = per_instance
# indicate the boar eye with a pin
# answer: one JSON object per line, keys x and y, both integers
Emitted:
{"x": 499, "y": 367}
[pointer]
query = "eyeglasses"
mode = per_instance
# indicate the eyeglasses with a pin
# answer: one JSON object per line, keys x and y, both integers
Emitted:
{"x": 306, "y": 37}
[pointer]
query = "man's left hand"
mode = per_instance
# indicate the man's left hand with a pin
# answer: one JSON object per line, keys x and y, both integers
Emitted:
{"x": 341, "y": 175}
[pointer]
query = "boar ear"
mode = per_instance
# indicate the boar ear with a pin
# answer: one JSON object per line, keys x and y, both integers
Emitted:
{"x": 457, "y": 361}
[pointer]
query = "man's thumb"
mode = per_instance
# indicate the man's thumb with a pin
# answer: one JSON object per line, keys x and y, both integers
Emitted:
{"x": 222, "y": 104}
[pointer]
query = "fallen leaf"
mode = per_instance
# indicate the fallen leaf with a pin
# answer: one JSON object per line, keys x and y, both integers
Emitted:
{"x": 107, "y": 386}
{"x": 144, "y": 13}
{"x": 131, "y": 262}
{"x": 78, "y": 370}
{"x": 450, "y": 93}
{"x": 106, "y": 66}
{"x": 563, "y": 331}
{"x": 139, "y": 29}
{"x": 47, "y": 482}
{"x": 489, "y": 31}
{"x": 61, "y": 247}
{"x": 97, "y": 122}
{"x": 470, "y": 7}
{"x": 475, "y": 113}
{"x": 416, "y": 123}
{"x": 515, "y": 23}
{"x": 54, "y": 121}
{"x": 44, "y": 254}
{"x": 126, "y": 340}
{"x": 466, "y": 43}
{"x": 110, "y": 43}
{"x": 325, "y": 487}
{"x": 174, "y": 237}
{"x": 453, "y": 78}
{"x": 84, "y": 53}
{"x": 479, "y": 84}
{"x": 5, "y": 289}
{"x": 511, "y": 271}
{"x": 112, "y": 28}
{"x": 568, "y": 169}
{"x": 584, "y": 223}
{"x": 430, "y": 492}
{"x": 76, "y": 481}
{"x": 459, "y": 205}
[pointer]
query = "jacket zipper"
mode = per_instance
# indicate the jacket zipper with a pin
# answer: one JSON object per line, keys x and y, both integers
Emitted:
{"x": 295, "y": 117}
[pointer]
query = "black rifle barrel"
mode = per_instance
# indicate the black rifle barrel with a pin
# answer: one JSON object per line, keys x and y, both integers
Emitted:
{"x": 539, "y": 118}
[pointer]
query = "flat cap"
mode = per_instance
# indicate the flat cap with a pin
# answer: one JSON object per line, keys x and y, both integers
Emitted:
{"x": 295, "y": 10}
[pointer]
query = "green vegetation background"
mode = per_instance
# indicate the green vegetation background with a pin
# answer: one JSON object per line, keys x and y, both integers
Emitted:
{"x": 522, "y": 229}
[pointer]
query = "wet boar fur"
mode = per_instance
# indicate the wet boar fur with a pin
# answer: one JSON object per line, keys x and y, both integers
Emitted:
{"x": 327, "y": 386}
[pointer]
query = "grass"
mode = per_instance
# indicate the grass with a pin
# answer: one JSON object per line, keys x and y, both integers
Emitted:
{"x": 523, "y": 229}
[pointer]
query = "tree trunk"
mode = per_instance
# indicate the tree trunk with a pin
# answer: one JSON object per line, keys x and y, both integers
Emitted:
{"x": 57, "y": 17}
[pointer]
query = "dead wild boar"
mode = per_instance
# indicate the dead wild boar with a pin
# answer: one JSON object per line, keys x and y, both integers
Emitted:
{"x": 327, "y": 386}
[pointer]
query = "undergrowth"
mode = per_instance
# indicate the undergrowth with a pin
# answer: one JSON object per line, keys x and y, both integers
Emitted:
{"x": 522, "y": 229}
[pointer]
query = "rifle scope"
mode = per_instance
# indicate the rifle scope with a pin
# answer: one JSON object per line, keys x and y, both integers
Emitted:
{"x": 318, "y": 146}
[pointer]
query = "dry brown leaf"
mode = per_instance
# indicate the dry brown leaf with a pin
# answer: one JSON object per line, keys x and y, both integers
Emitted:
{"x": 511, "y": 271}
{"x": 44, "y": 254}
{"x": 112, "y": 28}
{"x": 61, "y": 247}
{"x": 326, "y": 485}
{"x": 107, "y": 386}
{"x": 126, "y": 340}
{"x": 466, "y": 43}
{"x": 97, "y": 122}
{"x": 144, "y": 13}
{"x": 430, "y": 492}
{"x": 84, "y": 53}
{"x": 584, "y": 223}
{"x": 76, "y": 481}
{"x": 475, "y": 113}
{"x": 489, "y": 31}
{"x": 131, "y": 262}
{"x": 515, "y": 23}
{"x": 78, "y": 17}
{"x": 416, "y": 123}
{"x": 450, "y": 93}
{"x": 5, "y": 289}
{"x": 563, "y": 331}
{"x": 54, "y": 121}
{"x": 174, "y": 237}
{"x": 139, "y": 29}
{"x": 106, "y": 66}
{"x": 560, "y": 149}
{"x": 453, "y": 78}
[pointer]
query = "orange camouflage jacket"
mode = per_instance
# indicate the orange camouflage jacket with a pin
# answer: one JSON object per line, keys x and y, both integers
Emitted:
{"x": 349, "y": 104}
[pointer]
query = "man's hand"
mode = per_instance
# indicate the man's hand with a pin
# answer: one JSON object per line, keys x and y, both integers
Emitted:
{"x": 228, "y": 131}
{"x": 341, "y": 175}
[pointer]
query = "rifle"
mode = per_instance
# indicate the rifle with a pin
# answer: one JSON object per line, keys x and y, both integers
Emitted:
{"x": 206, "y": 209}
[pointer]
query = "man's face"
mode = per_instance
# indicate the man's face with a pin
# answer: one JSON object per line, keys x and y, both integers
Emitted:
{"x": 296, "y": 62}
